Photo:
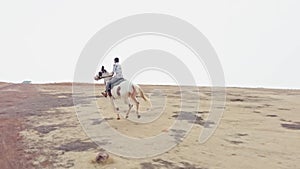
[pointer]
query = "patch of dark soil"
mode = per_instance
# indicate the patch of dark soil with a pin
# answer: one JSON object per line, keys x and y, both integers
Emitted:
{"x": 96, "y": 121}
{"x": 45, "y": 129}
{"x": 271, "y": 115}
{"x": 199, "y": 120}
{"x": 165, "y": 163}
{"x": 68, "y": 164}
{"x": 189, "y": 116}
{"x": 241, "y": 134}
{"x": 207, "y": 93}
{"x": 291, "y": 126}
{"x": 284, "y": 109}
{"x": 285, "y": 120}
{"x": 187, "y": 165}
{"x": 77, "y": 146}
{"x": 192, "y": 118}
{"x": 160, "y": 163}
{"x": 235, "y": 142}
{"x": 202, "y": 112}
{"x": 178, "y": 134}
{"x": 249, "y": 107}
{"x": 267, "y": 105}
{"x": 236, "y": 100}
{"x": 175, "y": 115}
{"x": 149, "y": 165}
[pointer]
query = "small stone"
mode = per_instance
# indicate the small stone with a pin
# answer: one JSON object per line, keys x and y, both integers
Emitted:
{"x": 35, "y": 163}
{"x": 102, "y": 156}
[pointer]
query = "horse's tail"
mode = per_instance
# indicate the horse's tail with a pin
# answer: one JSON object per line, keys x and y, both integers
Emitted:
{"x": 142, "y": 93}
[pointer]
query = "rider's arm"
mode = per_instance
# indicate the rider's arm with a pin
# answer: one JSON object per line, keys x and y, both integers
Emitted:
{"x": 111, "y": 74}
{"x": 114, "y": 69}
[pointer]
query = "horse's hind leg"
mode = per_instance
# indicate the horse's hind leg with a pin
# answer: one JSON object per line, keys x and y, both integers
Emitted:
{"x": 129, "y": 106}
{"x": 137, "y": 105}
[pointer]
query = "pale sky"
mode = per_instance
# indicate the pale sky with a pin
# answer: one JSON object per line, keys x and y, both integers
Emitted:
{"x": 257, "y": 42}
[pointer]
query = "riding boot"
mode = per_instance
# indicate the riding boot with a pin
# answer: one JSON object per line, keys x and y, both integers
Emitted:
{"x": 109, "y": 93}
{"x": 104, "y": 94}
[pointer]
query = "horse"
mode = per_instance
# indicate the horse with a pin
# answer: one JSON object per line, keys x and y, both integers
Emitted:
{"x": 125, "y": 91}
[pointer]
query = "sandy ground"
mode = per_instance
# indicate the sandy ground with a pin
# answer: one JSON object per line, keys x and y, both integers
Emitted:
{"x": 260, "y": 128}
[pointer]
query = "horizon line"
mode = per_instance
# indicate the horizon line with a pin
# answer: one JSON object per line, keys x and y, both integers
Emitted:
{"x": 151, "y": 84}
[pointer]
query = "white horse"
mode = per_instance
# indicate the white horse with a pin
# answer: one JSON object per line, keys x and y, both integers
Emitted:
{"x": 124, "y": 91}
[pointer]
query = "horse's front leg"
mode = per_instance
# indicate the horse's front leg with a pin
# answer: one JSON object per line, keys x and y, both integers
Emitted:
{"x": 129, "y": 108}
{"x": 116, "y": 110}
{"x": 126, "y": 101}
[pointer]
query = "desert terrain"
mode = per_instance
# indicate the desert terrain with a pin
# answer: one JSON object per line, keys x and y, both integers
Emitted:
{"x": 40, "y": 128}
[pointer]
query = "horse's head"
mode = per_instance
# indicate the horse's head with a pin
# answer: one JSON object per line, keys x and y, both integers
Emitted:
{"x": 98, "y": 76}
{"x": 102, "y": 74}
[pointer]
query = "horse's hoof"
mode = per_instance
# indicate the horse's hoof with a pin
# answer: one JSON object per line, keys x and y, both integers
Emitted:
{"x": 126, "y": 117}
{"x": 118, "y": 118}
{"x": 139, "y": 116}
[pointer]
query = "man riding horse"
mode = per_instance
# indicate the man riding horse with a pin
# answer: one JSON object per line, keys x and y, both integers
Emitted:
{"x": 116, "y": 76}
{"x": 119, "y": 88}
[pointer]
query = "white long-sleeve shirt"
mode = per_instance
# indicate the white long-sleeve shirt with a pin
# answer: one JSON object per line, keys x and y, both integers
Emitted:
{"x": 117, "y": 70}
